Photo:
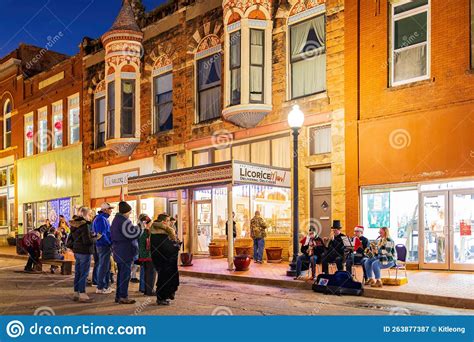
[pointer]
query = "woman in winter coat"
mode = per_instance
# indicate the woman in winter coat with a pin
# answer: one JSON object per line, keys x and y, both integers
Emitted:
{"x": 51, "y": 247}
{"x": 81, "y": 241}
{"x": 147, "y": 271}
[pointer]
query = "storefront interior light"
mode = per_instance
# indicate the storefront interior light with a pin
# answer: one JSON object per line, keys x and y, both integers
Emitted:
{"x": 296, "y": 117}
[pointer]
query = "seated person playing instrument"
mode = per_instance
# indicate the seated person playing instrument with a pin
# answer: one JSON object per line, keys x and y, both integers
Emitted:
{"x": 358, "y": 257}
{"x": 312, "y": 247}
{"x": 381, "y": 255}
{"x": 335, "y": 248}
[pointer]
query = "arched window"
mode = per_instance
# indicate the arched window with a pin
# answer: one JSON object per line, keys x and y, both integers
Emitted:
{"x": 7, "y": 124}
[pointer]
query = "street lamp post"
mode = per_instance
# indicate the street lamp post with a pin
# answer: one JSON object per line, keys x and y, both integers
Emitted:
{"x": 295, "y": 121}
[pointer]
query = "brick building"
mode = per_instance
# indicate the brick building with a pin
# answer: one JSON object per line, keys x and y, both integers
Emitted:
{"x": 176, "y": 94}
{"x": 409, "y": 122}
{"x": 16, "y": 70}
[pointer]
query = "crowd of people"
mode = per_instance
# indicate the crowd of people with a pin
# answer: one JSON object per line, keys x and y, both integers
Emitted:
{"x": 339, "y": 250}
{"x": 117, "y": 248}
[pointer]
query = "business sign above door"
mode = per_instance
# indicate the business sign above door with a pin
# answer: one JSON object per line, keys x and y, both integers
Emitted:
{"x": 118, "y": 179}
{"x": 260, "y": 174}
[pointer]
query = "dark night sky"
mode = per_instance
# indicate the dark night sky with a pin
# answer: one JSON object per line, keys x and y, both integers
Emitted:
{"x": 33, "y": 21}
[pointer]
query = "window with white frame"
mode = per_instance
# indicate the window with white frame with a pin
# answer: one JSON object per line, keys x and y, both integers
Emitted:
{"x": 29, "y": 134}
{"x": 100, "y": 122}
{"x": 111, "y": 110}
{"x": 127, "y": 118}
{"x": 235, "y": 67}
{"x": 308, "y": 56}
{"x": 7, "y": 124}
{"x": 58, "y": 124}
{"x": 209, "y": 70}
{"x": 320, "y": 140}
{"x": 410, "y": 42}
{"x": 43, "y": 140}
{"x": 171, "y": 161}
{"x": 163, "y": 90}
{"x": 257, "y": 48}
{"x": 74, "y": 122}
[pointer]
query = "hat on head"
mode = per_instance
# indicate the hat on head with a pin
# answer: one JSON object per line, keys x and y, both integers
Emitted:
{"x": 144, "y": 218}
{"x": 105, "y": 206}
{"x": 336, "y": 224}
{"x": 124, "y": 208}
{"x": 359, "y": 229}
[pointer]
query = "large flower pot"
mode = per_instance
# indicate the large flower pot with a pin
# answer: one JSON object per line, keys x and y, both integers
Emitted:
{"x": 274, "y": 254}
{"x": 186, "y": 259}
{"x": 242, "y": 262}
{"x": 244, "y": 250}
{"x": 216, "y": 251}
{"x": 11, "y": 241}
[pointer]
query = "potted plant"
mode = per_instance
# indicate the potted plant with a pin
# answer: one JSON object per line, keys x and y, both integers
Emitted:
{"x": 186, "y": 259}
{"x": 243, "y": 250}
{"x": 242, "y": 262}
{"x": 216, "y": 251}
{"x": 274, "y": 254}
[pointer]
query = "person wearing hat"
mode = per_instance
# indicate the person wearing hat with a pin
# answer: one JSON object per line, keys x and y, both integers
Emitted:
{"x": 147, "y": 271}
{"x": 125, "y": 247}
{"x": 335, "y": 248}
{"x": 101, "y": 227}
{"x": 358, "y": 257}
{"x": 312, "y": 247}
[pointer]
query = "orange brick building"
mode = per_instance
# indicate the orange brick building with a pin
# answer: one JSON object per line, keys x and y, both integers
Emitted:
{"x": 409, "y": 111}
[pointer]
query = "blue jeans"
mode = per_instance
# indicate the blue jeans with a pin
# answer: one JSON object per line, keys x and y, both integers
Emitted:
{"x": 103, "y": 269}
{"x": 123, "y": 279}
{"x": 306, "y": 258}
{"x": 82, "y": 267}
{"x": 373, "y": 267}
{"x": 258, "y": 245}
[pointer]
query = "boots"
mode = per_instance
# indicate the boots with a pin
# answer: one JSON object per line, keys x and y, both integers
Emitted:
{"x": 378, "y": 283}
{"x": 84, "y": 298}
{"x": 76, "y": 297}
{"x": 370, "y": 282}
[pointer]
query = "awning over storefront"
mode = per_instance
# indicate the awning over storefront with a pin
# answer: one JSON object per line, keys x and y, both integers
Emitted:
{"x": 229, "y": 172}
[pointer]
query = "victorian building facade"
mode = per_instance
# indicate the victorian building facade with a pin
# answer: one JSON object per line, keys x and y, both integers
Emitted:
{"x": 182, "y": 96}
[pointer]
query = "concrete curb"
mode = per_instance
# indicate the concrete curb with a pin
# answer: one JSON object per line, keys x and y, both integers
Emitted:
{"x": 453, "y": 302}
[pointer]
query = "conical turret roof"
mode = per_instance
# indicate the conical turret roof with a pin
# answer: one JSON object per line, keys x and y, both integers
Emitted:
{"x": 125, "y": 19}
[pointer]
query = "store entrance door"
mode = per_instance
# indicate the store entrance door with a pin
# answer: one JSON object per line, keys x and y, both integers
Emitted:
{"x": 321, "y": 210}
{"x": 446, "y": 219}
{"x": 203, "y": 222}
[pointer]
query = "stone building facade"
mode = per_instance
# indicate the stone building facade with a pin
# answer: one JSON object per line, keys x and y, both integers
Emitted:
{"x": 229, "y": 72}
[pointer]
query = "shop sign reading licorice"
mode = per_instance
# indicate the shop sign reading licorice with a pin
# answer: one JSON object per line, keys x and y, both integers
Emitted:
{"x": 260, "y": 174}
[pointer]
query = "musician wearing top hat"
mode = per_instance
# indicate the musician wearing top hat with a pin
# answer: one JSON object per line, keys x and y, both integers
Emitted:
{"x": 358, "y": 257}
{"x": 335, "y": 248}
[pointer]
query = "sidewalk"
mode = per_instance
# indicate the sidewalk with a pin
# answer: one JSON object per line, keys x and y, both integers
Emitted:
{"x": 450, "y": 289}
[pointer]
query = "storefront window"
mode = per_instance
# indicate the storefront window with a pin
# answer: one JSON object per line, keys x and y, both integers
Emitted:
{"x": 241, "y": 203}
{"x": 274, "y": 206}
{"x": 3, "y": 177}
{"x": 396, "y": 209}
{"x": 219, "y": 212}
{"x": 3, "y": 211}
{"x": 41, "y": 213}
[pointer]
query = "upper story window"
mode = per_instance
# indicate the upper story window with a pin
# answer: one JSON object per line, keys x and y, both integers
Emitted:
{"x": 209, "y": 71}
{"x": 410, "y": 34}
{"x": 308, "y": 56}
{"x": 43, "y": 130}
{"x": 163, "y": 90}
{"x": 7, "y": 124}
{"x": 99, "y": 122}
{"x": 257, "y": 38}
{"x": 58, "y": 124}
{"x": 320, "y": 140}
{"x": 74, "y": 122}
{"x": 111, "y": 110}
{"x": 29, "y": 134}
{"x": 235, "y": 67}
{"x": 127, "y": 118}
{"x": 171, "y": 161}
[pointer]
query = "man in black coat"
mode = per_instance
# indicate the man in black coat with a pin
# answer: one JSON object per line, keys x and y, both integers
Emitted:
{"x": 335, "y": 248}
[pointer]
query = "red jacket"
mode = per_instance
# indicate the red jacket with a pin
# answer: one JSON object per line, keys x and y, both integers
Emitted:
{"x": 32, "y": 240}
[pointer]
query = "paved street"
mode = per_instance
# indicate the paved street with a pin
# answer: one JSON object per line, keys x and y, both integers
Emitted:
{"x": 25, "y": 293}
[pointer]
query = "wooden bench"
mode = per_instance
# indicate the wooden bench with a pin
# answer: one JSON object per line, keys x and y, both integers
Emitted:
{"x": 66, "y": 265}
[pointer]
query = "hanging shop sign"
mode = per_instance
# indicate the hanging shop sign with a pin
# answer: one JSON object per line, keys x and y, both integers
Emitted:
{"x": 119, "y": 179}
{"x": 260, "y": 174}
